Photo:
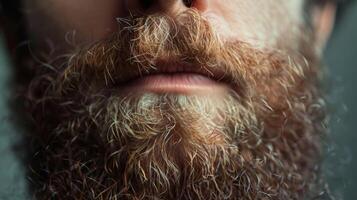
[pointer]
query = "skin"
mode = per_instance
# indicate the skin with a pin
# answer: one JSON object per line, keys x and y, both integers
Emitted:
{"x": 260, "y": 22}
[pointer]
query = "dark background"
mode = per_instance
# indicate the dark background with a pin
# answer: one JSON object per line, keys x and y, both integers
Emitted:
{"x": 341, "y": 58}
{"x": 341, "y": 153}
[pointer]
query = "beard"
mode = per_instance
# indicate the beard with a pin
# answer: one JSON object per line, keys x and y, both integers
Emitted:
{"x": 260, "y": 140}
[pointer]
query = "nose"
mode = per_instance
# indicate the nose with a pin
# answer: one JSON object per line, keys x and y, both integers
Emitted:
{"x": 168, "y": 7}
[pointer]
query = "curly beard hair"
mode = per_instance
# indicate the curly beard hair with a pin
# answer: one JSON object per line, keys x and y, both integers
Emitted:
{"x": 260, "y": 140}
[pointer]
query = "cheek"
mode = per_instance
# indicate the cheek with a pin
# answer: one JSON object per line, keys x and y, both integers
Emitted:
{"x": 89, "y": 19}
{"x": 263, "y": 23}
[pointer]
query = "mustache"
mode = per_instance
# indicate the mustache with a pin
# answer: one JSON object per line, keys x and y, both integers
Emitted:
{"x": 144, "y": 45}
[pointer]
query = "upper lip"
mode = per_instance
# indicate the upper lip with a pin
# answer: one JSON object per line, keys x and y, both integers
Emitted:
{"x": 168, "y": 68}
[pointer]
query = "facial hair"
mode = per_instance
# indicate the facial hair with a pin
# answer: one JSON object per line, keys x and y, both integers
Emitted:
{"x": 261, "y": 140}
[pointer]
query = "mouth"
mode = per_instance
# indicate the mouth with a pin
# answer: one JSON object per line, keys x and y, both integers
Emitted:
{"x": 177, "y": 77}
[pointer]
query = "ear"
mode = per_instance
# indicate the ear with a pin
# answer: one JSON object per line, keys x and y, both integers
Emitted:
{"x": 323, "y": 22}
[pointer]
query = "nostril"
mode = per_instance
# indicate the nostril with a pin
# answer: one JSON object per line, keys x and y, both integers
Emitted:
{"x": 146, "y": 4}
{"x": 188, "y": 3}
{"x": 171, "y": 7}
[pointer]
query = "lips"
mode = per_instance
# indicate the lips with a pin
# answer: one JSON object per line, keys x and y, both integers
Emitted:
{"x": 175, "y": 77}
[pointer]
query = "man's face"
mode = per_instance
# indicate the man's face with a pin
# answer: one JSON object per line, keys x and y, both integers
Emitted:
{"x": 263, "y": 23}
{"x": 169, "y": 99}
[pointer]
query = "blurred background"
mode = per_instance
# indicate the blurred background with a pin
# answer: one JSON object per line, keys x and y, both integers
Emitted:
{"x": 340, "y": 165}
{"x": 341, "y": 58}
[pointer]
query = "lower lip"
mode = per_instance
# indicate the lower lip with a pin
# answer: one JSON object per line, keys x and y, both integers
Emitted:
{"x": 184, "y": 83}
